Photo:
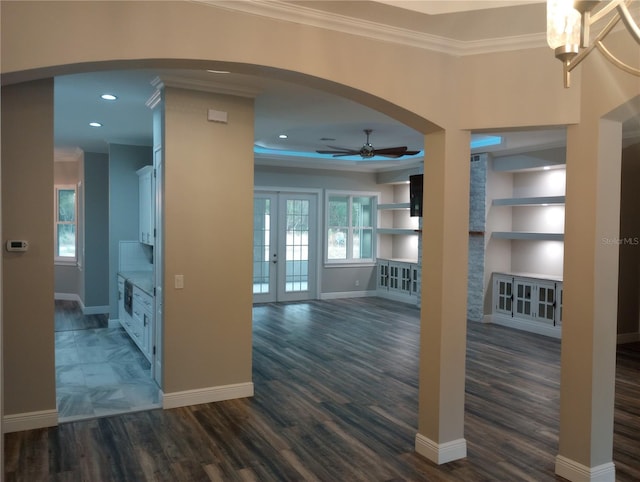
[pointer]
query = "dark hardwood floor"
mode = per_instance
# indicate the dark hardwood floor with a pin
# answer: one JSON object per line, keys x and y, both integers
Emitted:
{"x": 336, "y": 400}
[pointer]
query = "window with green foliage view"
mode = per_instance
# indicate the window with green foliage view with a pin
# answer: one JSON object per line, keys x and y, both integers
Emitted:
{"x": 65, "y": 223}
{"x": 350, "y": 228}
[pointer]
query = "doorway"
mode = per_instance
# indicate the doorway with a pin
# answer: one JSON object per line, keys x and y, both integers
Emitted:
{"x": 284, "y": 246}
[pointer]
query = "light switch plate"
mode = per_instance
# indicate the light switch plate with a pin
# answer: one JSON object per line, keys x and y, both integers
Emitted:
{"x": 179, "y": 281}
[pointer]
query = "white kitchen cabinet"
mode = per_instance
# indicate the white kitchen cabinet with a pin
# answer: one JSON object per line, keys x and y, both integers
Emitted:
{"x": 146, "y": 205}
{"x": 528, "y": 303}
{"x": 142, "y": 316}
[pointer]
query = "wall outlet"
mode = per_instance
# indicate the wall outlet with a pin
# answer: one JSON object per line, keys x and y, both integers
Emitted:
{"x": 357, "y": 282}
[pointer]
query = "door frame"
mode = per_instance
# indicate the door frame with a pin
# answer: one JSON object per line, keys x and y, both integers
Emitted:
{"x": 315, "y": 293}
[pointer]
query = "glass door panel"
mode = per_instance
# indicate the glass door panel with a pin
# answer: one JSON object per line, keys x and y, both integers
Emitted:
{"x": 284, "y": 239}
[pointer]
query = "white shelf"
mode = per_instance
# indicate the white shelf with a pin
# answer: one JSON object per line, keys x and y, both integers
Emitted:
{"x": 397, "y": 206}
{"x": 529, "y": 201}
{"x": 403, "y": 231}
{"x": 519, "y": 235}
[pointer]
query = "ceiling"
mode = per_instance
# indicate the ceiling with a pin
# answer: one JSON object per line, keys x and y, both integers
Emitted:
{"x": 311, "y": 119}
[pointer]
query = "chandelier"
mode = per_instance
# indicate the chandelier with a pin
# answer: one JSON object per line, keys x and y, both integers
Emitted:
{"x": 568, "y": 30}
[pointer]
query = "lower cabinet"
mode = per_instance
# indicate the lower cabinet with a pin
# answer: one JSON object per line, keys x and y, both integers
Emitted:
{"x": 397, "y": 279}
{"x": 138, "y": 324}
{"x": 528, "y": 303}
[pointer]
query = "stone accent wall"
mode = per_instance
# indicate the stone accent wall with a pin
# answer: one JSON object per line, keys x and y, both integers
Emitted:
{"x": 477, "y": 225}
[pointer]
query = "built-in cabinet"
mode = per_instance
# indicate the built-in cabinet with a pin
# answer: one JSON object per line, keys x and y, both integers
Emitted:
{"x": 528, "y": 302}
{"x": 146, "y": 205}
{"x": 397, "y": 279}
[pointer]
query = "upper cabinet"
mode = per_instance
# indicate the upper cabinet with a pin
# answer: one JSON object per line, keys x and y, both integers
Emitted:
{"x": 146, "y": 203}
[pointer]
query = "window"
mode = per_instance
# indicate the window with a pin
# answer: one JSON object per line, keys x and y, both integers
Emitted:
{"x": 65, "y": 238}
{"x": 350, "y": 228}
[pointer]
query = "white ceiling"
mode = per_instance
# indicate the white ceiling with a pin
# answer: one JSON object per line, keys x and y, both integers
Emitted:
{"x": 306, "y": 115}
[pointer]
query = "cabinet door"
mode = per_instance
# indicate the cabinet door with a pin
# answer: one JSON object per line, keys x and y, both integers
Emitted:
{"x": 503, "y": 295}
{"x": 146, "y": 205}
{"x": 394, "y": 277}
{"x": 547, "y": 302}
{"x": 415, "y": 269}
{"x": 524, "y": 302}
{"x": 383, "y": 274}
{"x": 405, "y": 279}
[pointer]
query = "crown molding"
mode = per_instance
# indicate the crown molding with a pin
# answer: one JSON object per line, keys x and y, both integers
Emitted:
{"x": 200, "y": 85}
{"x": 279, "y": 10}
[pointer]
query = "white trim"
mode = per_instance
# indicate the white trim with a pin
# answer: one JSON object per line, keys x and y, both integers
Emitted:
{"x": 527, "y": 325}
{"x": 576, "y": 472}
{"x": 29, "y": 421}
{"x": 95, "y": 310}
{"x": 283, "y": 11}
{"x": 347, "y": 294}
{"x": 114, "y": 323}
{"x": 68, "y": 297}
{"x": 441, "y": 453}
{"x": 206, "y": 395}
{"x": 628, "y": 337}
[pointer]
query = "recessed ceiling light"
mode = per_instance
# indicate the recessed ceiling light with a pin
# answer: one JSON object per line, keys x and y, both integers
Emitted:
{"x": 283, "y": 136}
{"x": 95, "y": 124}
{"x": 546, "y": 168}
{"x": 108, "y": 97}
{"x": 218, "y": 71}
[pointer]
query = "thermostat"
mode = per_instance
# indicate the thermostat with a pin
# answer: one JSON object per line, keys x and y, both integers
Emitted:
{"x": 17, "y": 245}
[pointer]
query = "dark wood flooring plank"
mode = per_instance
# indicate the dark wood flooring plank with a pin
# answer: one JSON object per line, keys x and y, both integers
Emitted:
{"x": 336, "y": 388}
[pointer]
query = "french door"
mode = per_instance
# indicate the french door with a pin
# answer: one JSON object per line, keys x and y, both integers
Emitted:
{"x": 284, "y": 246}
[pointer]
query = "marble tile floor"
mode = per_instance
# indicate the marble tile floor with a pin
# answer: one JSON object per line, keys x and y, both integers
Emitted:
{"x": 100, "y": 372}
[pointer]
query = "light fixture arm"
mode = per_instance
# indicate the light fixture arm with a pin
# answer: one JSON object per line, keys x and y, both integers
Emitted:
{"x": 571, "y": 54}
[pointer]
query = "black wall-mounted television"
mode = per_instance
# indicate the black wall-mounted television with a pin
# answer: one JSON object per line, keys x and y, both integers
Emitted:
{"x": 415, "y": 195}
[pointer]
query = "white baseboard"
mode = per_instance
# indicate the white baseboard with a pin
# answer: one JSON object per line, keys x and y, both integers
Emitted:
{"x": 114, "y": 323}
{"x": 390, "y": 295}
{"x": 206, "y": 395}
{"x": 526, "y": 325}
{"x": 29, "y": 421}
{"x": 95, "y": 310}
{"x": 628, "y": 337}
{"x": 441, "y": 453}
{"x": 572, "y": 470}
{"x": 68, "y": 297}
{"x": 347, "y": 294}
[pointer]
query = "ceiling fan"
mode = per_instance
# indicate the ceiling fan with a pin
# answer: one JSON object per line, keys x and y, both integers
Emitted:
{"x": 367, "y": 150}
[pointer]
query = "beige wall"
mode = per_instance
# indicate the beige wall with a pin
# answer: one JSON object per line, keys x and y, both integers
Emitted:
{"x": 27, "y": 278}
{"x": 502, "y": 89}
{"x": 208, "y": 240}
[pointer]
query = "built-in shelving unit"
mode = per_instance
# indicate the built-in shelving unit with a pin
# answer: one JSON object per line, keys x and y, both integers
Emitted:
{"x": 398, "y": 234}
{"x": 525, "y": 225}
{"x": 529, "y": 201}
{"x": 525, "y": 236}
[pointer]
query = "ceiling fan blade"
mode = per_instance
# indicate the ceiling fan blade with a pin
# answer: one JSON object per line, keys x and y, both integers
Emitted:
{"x": 390, "y": 150}
{"x": 394, "y": 152}
{"x": 343, "y": 152}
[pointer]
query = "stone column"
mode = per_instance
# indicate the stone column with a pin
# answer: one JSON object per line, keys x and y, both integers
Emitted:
{"x": 440, "y": 435}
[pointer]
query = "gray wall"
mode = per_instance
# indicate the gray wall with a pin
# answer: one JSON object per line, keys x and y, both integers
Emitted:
{"x": 124, "y": 161}
{"x": 334, "y": 279}
{"x": 96, "y": 230}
